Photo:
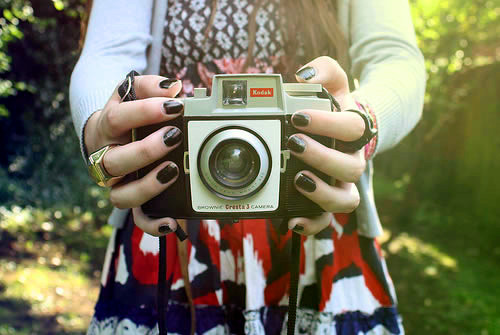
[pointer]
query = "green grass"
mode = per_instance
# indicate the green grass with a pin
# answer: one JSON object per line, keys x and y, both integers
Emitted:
{"x": 444, "y": 262}
{"x": 49, "y": 270}
{"x": 443, "y": 259}
{"x": 45, "y": 299}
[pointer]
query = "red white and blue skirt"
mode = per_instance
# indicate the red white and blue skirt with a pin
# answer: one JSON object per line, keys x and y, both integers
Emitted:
{"x": 239, "y": 274}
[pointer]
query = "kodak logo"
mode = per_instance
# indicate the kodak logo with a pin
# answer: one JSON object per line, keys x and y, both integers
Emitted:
{"x": 261, "y": 92}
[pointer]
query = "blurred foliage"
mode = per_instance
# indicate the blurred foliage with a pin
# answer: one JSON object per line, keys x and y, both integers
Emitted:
{"x": 40, "y": 165}
{"x": 52, "y": 217}
{"x": 437, "y": 190}
{"x": 451, "y": 157}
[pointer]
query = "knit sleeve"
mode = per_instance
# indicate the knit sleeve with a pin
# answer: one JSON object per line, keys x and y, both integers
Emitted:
{"x": 118, "y": 35}
{"x": 390, "y": 67}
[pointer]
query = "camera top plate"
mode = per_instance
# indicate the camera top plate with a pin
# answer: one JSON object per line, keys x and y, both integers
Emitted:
{"x": 302, "y": 89}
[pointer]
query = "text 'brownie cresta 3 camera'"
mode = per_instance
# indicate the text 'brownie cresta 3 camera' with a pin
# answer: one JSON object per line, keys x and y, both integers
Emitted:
{"x": 234, "y": 162}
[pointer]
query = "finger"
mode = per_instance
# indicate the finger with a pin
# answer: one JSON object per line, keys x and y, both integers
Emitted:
{"x": 346, "y": 167}
{"x": 119, "y": 119}
{"x": 124, "y": 159}
{"x": 326, "y": 71}
{"x": 155, "y": 227}
{"x": 148, "y": 86}
{"x": 341, "y": 198}
{"x": 310, "y": 226}
{"x": 137, "y": 192}
{"x": 345, "y": 126}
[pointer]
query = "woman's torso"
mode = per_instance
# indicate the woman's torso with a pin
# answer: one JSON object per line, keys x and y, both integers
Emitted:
{"x": 239, "y": 272}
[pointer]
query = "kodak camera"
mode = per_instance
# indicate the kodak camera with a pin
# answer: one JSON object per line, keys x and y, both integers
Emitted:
{"x": 234, "y": 162}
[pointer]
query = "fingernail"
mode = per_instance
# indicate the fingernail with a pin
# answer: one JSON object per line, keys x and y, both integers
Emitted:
{"x": 173, "y": 106}
{"x": 165, "y": 229}
{"x": 296, "y": 144}
{"x": 306, "y": 73}
{"x": 167, "y": 83}
{"x": 301, "y": 119}
{"x": 298, "y": 229}
{"x": 172, "y": 137}
{"x": 306, "y": 183}
{"x": 167, "y": 174}
{"x": 181, "y": 234}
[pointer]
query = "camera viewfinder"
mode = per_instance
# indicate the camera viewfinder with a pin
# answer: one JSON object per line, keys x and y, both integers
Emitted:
{"x": 234, "y": 92}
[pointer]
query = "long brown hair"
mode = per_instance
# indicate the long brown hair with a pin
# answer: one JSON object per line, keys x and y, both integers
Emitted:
{"x": 313, "y": 22}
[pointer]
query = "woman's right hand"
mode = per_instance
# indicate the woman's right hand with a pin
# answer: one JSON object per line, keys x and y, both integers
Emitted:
{"x": 113, "y": 124}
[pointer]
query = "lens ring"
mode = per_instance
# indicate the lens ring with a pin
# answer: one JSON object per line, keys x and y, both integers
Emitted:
{"x": 234, "y": 163}
{"x": 244, "y": 134}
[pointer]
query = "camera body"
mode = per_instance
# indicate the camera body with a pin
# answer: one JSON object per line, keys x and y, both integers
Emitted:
{"x": 233, "y": 161}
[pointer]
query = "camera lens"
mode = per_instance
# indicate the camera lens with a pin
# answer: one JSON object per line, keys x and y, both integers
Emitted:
{"x": 234, "y": 163}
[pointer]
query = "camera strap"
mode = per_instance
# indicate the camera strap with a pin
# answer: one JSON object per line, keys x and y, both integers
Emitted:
{"x": 294, "y": 283}
{"x": 162, "y": 285}
{"x": 163, "y": 295}
{"x": 184, "y": 262}
{"x": 296, "y": 246}
{"x": 162, "y": 298}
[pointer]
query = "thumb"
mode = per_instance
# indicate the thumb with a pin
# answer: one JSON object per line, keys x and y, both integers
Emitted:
{"x": 326, "y": 71}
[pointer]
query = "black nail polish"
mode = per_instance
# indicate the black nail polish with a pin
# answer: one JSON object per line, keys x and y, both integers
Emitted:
{"x": 173, "y": 106}
{"x": 169, "y": 82}
{"x": 306, "y": 183}
{"x": 181, "y": 234}
{"x": 298, "y": 229}
{"x": 165, "y": 229}
{"x": 306, "y": 73}
{"x": 301, "y": 119}
{"x": 172, "y": 137}
{"x": 167, "y": 174}
{"x": 296, "y": 144}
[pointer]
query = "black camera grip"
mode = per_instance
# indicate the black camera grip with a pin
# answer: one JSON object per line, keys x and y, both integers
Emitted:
{"x": 173, "y": 199}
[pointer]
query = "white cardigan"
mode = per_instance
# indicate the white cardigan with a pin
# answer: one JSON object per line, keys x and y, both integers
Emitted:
{"x": 124, "y": 35}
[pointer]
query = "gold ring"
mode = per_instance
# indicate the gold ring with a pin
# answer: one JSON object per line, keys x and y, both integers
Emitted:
{"x": 96, "y": 166}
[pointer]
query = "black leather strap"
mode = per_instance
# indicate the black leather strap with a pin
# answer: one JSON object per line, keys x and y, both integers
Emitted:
{"x": 326, "y": 95}
{"x": 162, "y": 286}
{"x": 369, "y": 133}
{"x": 127, "y": 93}
{"x": 126, "y": 89}
{"x": 294, "y": 283}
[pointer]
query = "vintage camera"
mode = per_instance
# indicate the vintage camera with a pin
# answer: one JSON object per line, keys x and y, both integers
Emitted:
{"x": 233, "y": 162}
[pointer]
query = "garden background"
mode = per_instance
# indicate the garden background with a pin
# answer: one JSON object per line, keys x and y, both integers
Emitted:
{"x": 437, "y": 192}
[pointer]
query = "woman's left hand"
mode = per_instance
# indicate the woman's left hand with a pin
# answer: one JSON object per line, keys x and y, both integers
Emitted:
{"x": 345, "y": 168}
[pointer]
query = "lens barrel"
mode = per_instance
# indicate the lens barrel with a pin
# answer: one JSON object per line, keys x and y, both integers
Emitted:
{"x": 234, "y": 163}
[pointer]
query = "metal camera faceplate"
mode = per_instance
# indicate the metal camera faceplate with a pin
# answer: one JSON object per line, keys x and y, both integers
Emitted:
{"x": 203, "y": 198}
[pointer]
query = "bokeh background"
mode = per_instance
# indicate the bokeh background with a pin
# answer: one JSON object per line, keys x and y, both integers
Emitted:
{"x": 438, "y": 192}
